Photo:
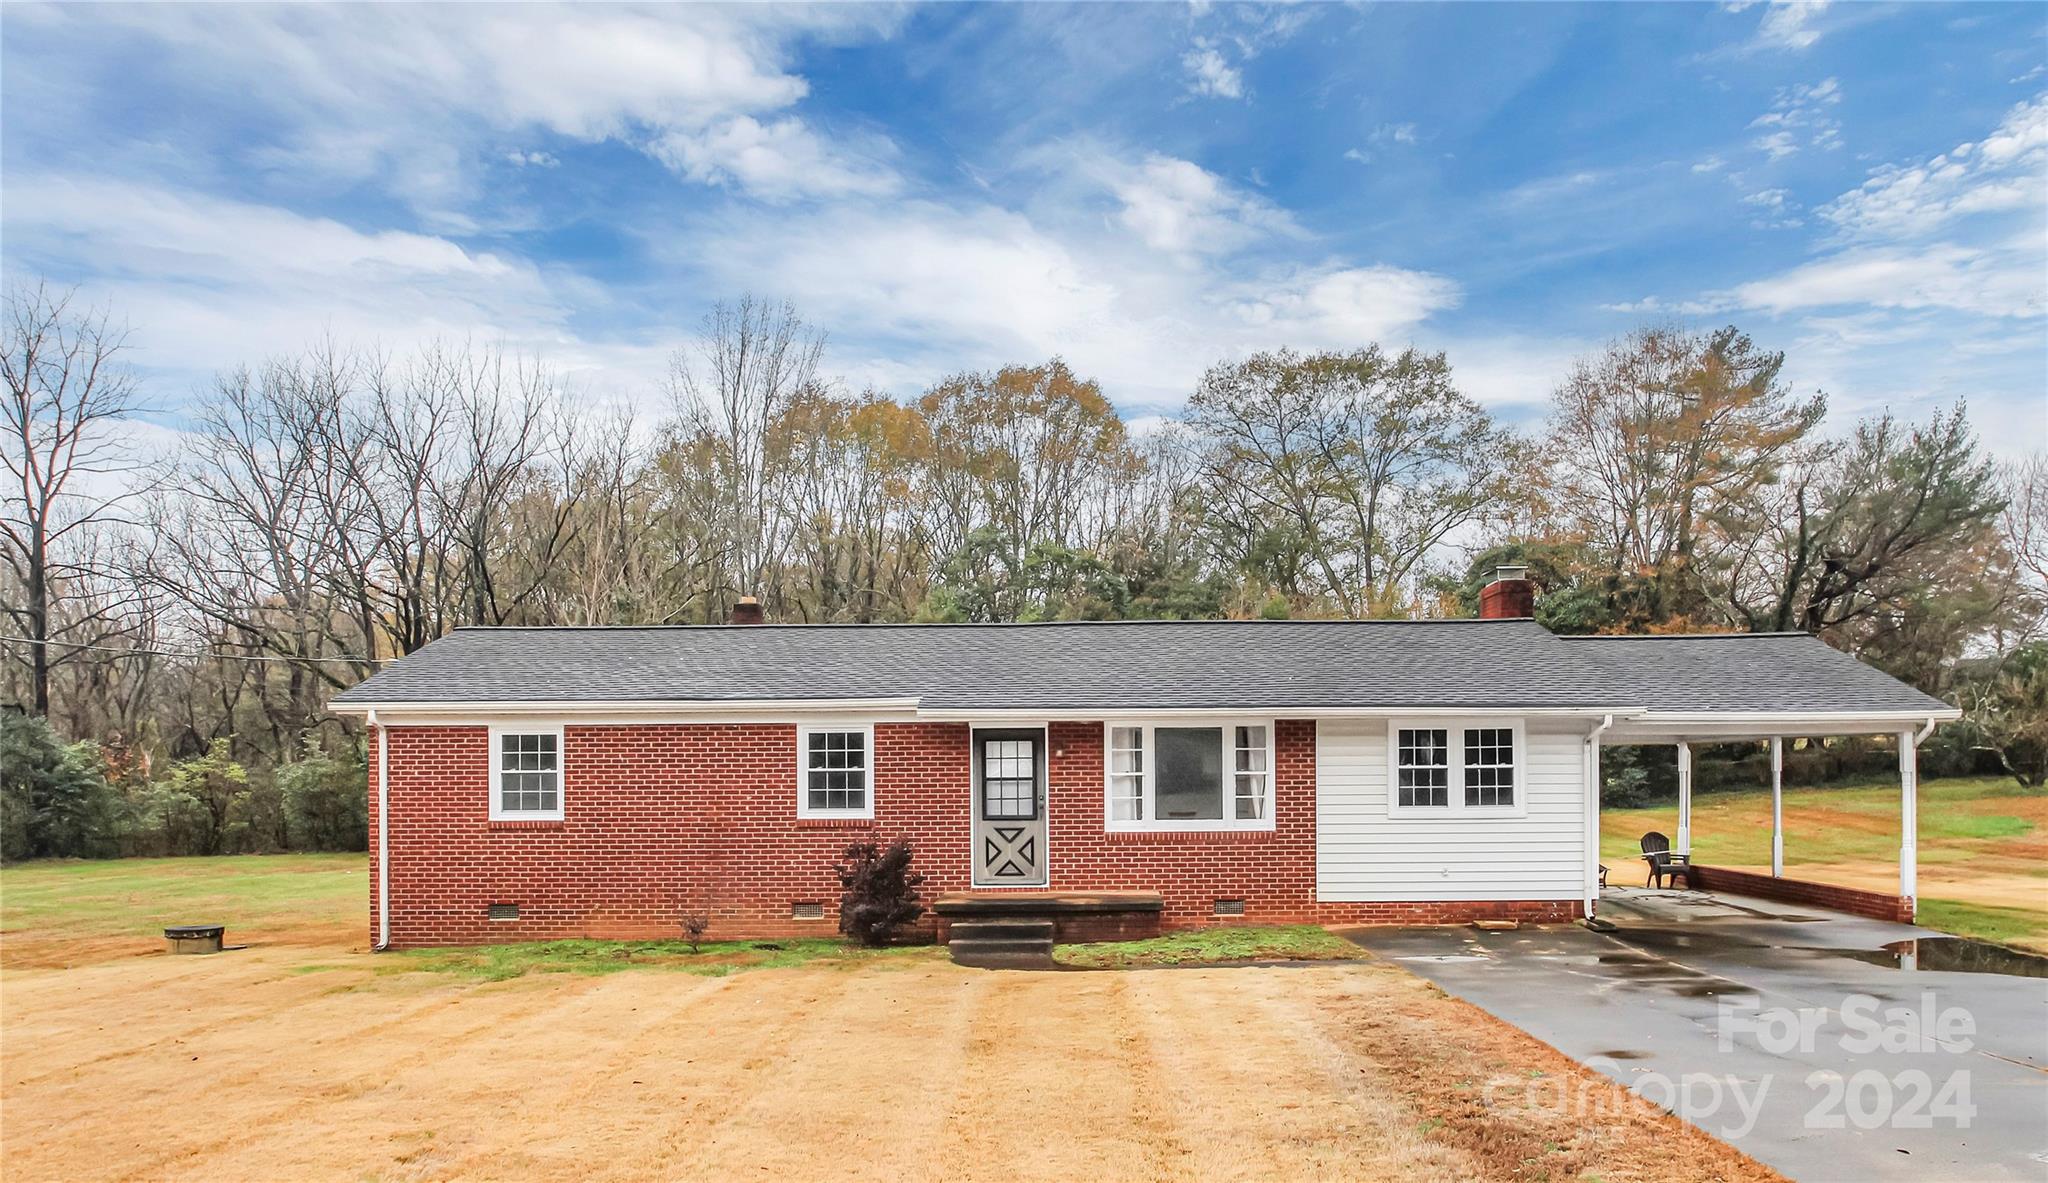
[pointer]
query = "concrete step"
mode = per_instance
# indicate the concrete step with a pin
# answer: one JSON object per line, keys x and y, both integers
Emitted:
{"x": 1000, "y": 930}
{"x": 999, "y": 947}
{"x": 1003, "y": 954}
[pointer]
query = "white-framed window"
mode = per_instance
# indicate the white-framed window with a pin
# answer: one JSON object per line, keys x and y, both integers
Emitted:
{"x": 526, "y": 773}
{"x": 1191, "y": 774}
{"x": 835, "y": 771}
{"x": 1452, "y": 767}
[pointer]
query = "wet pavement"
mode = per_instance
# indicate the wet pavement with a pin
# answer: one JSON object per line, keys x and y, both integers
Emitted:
{"x": 1828, "y": 1046}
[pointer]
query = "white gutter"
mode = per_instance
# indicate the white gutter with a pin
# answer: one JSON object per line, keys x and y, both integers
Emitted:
{"x": 1591, "y": 766}
{"x": 1929, "y": 729}
{"x": 1777, "y": 718}
{"x": 1094, "y": 714}
{"x": 753, "y": 708}
{"x": 383, "y": 833}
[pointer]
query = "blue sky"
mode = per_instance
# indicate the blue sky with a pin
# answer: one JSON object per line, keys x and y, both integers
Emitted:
{"x": 1142, "y": 189}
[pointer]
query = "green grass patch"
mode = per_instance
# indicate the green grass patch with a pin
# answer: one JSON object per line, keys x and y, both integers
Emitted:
{"x": 496, "y": 963}
{"x": 1979, "y": 825}
{"x": 1985, "y": 922}
{"x": 1734, "y": 828}
{"x": 138, "y": 897}
{"x": 1211, "y": 945}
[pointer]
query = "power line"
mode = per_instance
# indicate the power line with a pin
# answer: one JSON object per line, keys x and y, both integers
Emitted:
{"x": 183, "y": 653}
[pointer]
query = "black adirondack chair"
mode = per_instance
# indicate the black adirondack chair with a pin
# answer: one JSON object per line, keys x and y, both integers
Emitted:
{"x": 1664, "y": 865}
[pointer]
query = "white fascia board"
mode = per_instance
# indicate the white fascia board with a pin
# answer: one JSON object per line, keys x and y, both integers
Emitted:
{"x": 1673, "y": 726}
{"x": 1270, "y": 712}
{"x": 1944, "y": 713}
{"x": 418, "y": 714}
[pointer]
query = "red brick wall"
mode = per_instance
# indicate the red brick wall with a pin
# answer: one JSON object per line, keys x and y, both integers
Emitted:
{"x": 1874, "y": 904}
{"x": 664, "y": 819}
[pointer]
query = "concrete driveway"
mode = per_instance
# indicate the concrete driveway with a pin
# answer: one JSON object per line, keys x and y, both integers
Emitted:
{"x": 1794, "y": 1034}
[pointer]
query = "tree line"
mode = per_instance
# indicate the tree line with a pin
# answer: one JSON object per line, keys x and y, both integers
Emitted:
{"x": 328, "y": 510}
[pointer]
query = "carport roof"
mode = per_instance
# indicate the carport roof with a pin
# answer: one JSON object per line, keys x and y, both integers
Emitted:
{"x": 1134, "y": 667}
{"x": 1746, "y": 673}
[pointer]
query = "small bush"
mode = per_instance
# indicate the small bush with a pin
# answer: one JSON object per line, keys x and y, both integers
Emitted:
{"x": 326, "y": 801}
{"x": 878, "y": 892}
{"x": 54, "y": 800}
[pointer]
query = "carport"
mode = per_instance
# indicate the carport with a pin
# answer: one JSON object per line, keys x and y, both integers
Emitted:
{"x": 1767, "y": 688}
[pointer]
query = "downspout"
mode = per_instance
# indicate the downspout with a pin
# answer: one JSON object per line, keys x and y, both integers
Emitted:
{"x": 383, "y": 833}
{"x": 1924, "y": 732}
{"x": 1592, "y": 835}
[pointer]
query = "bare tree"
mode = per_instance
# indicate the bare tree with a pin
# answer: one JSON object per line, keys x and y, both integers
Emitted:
{"x": 2025, "y": 522}
{"x": 1369, "y": 462}
{"x": 754, "y": 357}
{"x": 66, "y": 388}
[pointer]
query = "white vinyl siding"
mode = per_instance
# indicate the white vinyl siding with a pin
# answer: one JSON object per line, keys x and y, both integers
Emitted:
{"x": 1369, "y": 851}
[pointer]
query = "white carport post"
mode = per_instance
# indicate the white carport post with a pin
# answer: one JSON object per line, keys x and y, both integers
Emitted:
{"x": 1684, "y": 797}
{"x": 1909, "y": 816}
{"x": 1777, "y": 807}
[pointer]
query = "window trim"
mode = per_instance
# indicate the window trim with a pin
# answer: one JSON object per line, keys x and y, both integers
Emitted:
{"x": 804, "y": 731}
{"x": 1456, "y": 807}
{"x": 498, "y": 812}
{"x": 1228, "y": 823}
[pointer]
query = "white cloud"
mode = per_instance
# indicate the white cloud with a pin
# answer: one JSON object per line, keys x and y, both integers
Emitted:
{"x": 1801, "y": 117}
{"x": 534, "y": 159}
{"x": 210, "y": 283}
{"x": 938, "y": 287}
{"x": 1339, "y": 306}
{"x": 1777, "y": 145}
{"x": 2005, "y": 172}
{"x": 1711, "y": 164}
{"x": 369, "y": 91}
{"x": 1775, "y": 209}
{"x": 1394, "y": 133}
{"x": 1788, "y": 24}
{"x": 1176, "y": 205}
{"x": 1209, "y": 73}
{"x": 1653, "y": 306}
{"x": 1983, "y": 282}
{"x": 779, "y": 160}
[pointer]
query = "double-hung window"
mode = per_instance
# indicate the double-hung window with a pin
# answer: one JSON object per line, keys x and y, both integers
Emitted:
{"x": 1189, "y": 776}
{"x": 526, "y": 774}
{"x": 1450, "y": 767}
{"x": 834, "y": 771}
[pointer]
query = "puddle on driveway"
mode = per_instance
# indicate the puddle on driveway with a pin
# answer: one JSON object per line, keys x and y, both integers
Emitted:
{"x": 1948, "y": 955}
{"x": 1926, "y": 954}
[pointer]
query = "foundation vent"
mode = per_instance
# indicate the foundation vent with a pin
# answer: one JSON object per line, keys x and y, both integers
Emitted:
{"x": 501, "y": 912}
{"x": 806, "y": 911}
{"x": 1229, "y": 907}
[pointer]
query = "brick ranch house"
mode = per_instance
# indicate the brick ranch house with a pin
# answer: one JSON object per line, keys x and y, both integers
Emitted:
{"x": 532, "y": 783}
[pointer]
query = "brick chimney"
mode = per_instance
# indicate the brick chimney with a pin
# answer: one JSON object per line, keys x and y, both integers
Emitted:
{"x": 747, "y": 611}
{"x": 1509, "y": 596}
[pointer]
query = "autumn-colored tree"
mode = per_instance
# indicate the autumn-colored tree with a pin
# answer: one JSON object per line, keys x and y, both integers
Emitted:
{"x": 1661, "y": 448}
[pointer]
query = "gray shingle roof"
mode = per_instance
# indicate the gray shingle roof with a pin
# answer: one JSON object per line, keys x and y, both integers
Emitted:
{"x": 1122, "y": 666}
{"x": 1745, "y": 672}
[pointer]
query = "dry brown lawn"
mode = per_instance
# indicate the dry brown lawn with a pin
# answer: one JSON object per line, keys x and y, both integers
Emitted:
{"x": 322, "y": 1063}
